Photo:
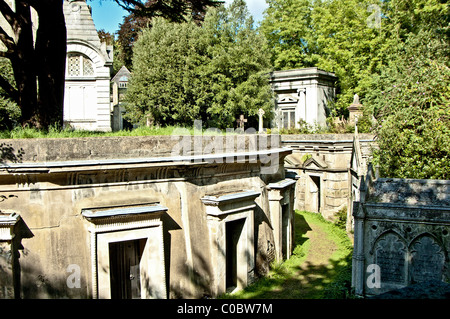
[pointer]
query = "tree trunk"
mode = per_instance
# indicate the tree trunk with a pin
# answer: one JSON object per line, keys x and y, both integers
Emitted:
{"x": 21, "y": 55}
{"x": 50, "y": 52}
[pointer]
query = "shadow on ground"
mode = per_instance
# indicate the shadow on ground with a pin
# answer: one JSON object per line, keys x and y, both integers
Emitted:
{"x": 301, "y": 279}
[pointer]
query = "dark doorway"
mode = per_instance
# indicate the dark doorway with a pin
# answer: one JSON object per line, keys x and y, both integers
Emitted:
{"x": 233, "y": 232}
{"x": 285, "y": 233}
{"x": 315, "y": 192}
{"x": 124, "y": 261}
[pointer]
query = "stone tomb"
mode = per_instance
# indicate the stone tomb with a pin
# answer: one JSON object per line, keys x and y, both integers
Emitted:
{"x": 129, "y": 218}
{"x": 88, "y": 67}
{"x": 401, "y": 233}
{"x": 319, "y": 163}
{"x": 302, "y": 95}
{"x": 230, "y": 220}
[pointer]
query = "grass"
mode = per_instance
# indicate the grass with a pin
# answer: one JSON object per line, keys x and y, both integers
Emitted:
{"x": 320, "y": 266}
{"x": 26, "y": 132}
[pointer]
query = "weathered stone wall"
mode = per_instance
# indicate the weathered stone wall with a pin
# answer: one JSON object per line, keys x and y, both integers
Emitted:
{"x": 402, "y": 236}
{"x": 50, "y": 182}
{"x": 101, "y": 148}
{"x": 321, "y": 161}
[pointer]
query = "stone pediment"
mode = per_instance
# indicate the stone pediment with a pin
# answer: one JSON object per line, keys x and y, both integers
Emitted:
{"x": 287, "y": 99}
{"x": 314, "y": 163}
{"x": 293, "y": 160}
{"x": 297, "y": 160}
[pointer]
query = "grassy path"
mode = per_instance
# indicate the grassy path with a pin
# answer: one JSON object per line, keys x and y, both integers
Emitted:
{"x": 319, "y": 267}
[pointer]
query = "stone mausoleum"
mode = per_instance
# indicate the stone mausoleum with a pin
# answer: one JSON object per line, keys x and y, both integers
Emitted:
{"x": 302, "y": 95}
{"x": 320, "y": 165}
{"x": 141, "y": 217}
{"x": 401, "y": 233}
{"x": 87, "y": 103}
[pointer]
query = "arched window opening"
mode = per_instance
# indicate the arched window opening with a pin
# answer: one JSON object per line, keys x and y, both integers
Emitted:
{"x": 79, "y": 65}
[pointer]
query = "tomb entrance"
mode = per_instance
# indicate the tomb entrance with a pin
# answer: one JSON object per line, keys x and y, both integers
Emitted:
{"x": 127, "y": 252}
{"x": 230, "y": 220}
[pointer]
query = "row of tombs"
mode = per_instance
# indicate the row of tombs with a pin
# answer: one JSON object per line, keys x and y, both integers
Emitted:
{"x": 126, "y": 217}
{"x": 139, "y": 227}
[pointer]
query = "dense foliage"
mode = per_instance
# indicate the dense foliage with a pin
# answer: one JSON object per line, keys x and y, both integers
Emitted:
{"x": 9, "y": 110}
{"x": 411, "y": 98}
{"x": 214, "y": 72}
{"x": 394, "y": 54}
{"x": 340, "y": 36}
{"x": 141, "y": 15}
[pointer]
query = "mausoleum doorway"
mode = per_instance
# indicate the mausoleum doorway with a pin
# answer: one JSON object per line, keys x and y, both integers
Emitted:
{"x": 127, "y": 252}
{"x": 124, "y": 260}
{"x": 231, "y": 231}
{"x": 235, "y": 253}
{"x": 314, "y": 193}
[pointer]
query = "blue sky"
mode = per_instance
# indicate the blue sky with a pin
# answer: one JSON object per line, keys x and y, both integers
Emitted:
{"x": 108, "y": 15}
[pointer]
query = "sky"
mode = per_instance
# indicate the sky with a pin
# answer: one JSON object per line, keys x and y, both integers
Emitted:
{"x": 108, "y": 15}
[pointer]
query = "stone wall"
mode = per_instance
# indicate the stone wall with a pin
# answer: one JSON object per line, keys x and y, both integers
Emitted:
{"x": 320, "y": 163}
{"x": 75, "y": 196}
{"x": 101, "y": 148}
{"x": 402, "y": 231}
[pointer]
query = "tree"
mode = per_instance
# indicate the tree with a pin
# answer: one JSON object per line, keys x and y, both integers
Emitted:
{"x": 348, "y": 39}
{"x": 141, "y": 17}
{"x": 213, "y": 72}
{"x": 411, "y": 96}
{"x": 340, "y": 36}
{"x": 162, "y": 84}
{"x": 238, "y": 68}
{"x": 39, "y": 64}
{"x": 287, "y": 27}
{"x": 127, "y": 35}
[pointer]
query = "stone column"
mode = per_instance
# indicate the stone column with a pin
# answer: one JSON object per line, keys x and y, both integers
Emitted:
{"x": 358, "y": 254}
{"x": 10, "y": 278}
{"x": 261, "y": 113}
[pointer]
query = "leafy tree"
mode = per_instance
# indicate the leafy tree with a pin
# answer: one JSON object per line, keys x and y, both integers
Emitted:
{"x": 127, "y": 35}
{"x": 340, "y": 36}
{"x": 142, "y": 13}
{"x": 39, "y": 63}
{"x": 349, "y": 41}
{"x": 162, "y": 84}
{"x": 287, "y": 27}
{"x": 411, "y": 96}
{"x": 238, "y": 68}
{"x": 213, "y": 72}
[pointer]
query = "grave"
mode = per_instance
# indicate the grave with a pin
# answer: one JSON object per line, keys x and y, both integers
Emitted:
{"x": 401, "y": 231}
{"x": 137, "y": 217}
{"x": 302, "y": 94}
{"x": 261, "y": 121}
{"x": 355, "y": 110}
{"x": 320, "y": 165}
{"x": 241, "y": 122}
